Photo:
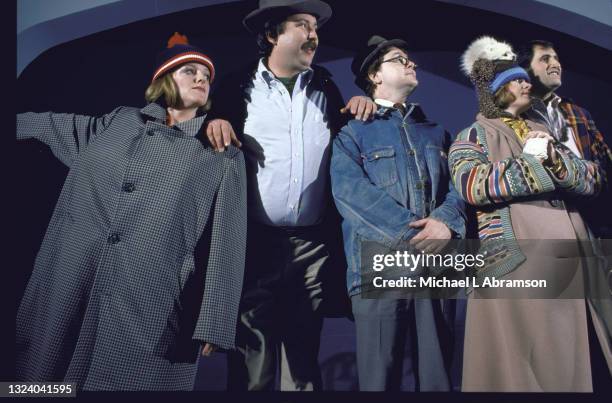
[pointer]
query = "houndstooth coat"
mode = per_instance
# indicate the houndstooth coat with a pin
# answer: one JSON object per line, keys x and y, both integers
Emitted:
{"x": 143, "y": 259}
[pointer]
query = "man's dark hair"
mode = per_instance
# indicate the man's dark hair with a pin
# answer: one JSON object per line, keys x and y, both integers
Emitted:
{"x": 273, "y": 29}
{"x": 370, "y": 87}
{"x": 525, "y": 53}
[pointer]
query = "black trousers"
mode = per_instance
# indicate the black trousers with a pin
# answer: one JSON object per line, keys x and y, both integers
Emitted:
{"x": 280, "y": 324}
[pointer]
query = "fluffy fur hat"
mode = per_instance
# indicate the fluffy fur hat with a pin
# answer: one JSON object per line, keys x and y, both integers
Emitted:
{"x": 488, "y": 48}
{"x": 490, "y": 64}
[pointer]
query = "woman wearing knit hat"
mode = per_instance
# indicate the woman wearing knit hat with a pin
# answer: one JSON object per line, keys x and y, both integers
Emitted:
{"x": 517, "y": 179}
{"x": 135, "y": 276}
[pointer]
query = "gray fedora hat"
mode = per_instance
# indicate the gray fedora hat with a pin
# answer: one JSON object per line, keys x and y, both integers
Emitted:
{"x": 269, "y": 9}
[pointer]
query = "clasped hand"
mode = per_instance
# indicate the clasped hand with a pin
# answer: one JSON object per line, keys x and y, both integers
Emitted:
{"x": 433, "y": 237}
{"x": 551, "y": 150}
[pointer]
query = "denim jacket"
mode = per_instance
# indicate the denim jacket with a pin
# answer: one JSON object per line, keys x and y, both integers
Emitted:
{"x": 387, "y": 173}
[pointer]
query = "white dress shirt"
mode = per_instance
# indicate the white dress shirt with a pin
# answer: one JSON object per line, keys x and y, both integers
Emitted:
{"x": 287, "y": 140}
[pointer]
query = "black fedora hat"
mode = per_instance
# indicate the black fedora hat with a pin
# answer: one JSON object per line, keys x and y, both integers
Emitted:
{"x": 269, "y": 9}
{"x": 367, "y": 55}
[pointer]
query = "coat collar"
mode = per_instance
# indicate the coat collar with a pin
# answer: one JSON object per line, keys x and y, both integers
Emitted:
{"x": 556, "y": 99}
{"x": 155, "y": 111}
{"x": 498, "y": 125}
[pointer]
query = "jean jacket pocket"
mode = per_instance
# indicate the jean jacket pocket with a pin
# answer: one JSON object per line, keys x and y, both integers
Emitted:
{"x": 381, "y": 166}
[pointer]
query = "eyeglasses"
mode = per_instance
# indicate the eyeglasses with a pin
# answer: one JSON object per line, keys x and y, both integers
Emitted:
{"x": 401, "y": 60}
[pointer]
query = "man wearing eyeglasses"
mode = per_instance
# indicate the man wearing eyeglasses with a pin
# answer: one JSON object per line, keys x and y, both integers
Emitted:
{"x": 390, "y": 182}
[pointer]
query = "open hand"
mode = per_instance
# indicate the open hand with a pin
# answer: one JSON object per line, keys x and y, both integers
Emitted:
{"x": 220, "y": 134}
{"x": 362, "y": 108}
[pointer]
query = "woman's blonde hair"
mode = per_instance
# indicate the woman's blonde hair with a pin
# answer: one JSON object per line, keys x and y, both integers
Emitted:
{"x": 166, "y": 87}
{"x": 503, "y": 98}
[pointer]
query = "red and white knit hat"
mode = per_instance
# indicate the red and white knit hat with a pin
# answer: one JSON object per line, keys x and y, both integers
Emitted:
{"x": 179, "y": 52}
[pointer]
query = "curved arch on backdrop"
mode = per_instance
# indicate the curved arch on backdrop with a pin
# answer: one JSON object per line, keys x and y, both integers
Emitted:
{"x": 42, "y": 24}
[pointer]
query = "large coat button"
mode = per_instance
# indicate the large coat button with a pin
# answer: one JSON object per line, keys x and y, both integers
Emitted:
{"x": 114, "y": 239}
{"x": 128, "y": 187}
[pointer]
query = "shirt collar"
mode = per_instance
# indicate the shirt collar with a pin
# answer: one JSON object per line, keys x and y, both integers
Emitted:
{"x": 268, "y": 76}
{"x": 412, "y": 108}
{"x": 386, "y": 103}
{"x": 554, "y": 100}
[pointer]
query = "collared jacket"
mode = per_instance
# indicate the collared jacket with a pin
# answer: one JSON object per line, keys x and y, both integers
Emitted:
{"x": 387, "y": 173}
{"x": 591, "y": 143}
{"x": 143, "y": 259}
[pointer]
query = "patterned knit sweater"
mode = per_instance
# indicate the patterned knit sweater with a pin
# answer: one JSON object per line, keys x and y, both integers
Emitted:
{"x": 492, "y": 186}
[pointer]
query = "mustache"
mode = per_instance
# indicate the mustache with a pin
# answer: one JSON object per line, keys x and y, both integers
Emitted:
{"x": 310, "y": 45}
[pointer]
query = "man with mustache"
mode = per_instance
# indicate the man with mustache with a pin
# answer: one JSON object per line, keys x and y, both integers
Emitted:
{"x": 569, "y": 123}
{"x": 286, "y": 111}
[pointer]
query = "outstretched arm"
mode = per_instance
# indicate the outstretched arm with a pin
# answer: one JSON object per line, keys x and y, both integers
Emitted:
{"x": 66, "y": 134}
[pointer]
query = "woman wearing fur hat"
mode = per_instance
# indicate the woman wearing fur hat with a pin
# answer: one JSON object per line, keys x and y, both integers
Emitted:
{"x": 135, "y": 275}
{"x": 517, "y": 178}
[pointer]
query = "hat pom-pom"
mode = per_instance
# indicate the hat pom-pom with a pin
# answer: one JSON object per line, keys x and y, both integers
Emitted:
{"x": 177, "y": 39}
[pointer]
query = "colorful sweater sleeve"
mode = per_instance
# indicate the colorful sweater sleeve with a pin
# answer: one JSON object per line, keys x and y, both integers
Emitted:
{"x": 481, "y": 182}
{"x": 580, "y": 177}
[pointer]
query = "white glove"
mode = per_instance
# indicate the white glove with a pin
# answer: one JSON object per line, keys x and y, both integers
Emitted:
{"x": 538, "y": 147}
